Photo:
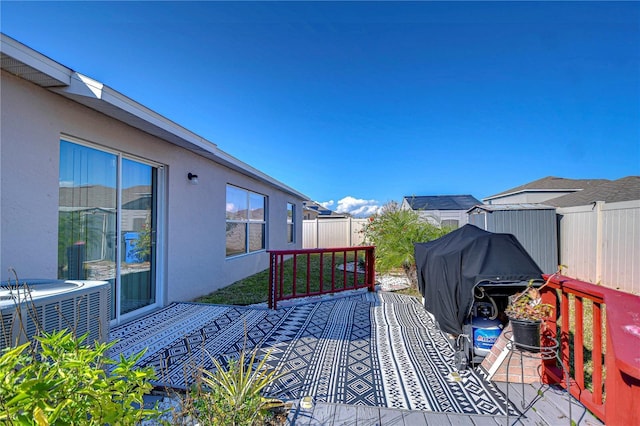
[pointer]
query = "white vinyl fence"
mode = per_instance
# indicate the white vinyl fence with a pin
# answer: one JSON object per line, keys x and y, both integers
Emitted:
{"x": 327, "y": 233}
{"x": 600, "y": 244}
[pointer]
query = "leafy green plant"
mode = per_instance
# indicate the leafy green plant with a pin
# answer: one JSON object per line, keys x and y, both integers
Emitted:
{"x": 57, "y": 379}
{"x": 232, "y": 395}
{"x": 66, "y": 383}
{"x": 393, "y": 232}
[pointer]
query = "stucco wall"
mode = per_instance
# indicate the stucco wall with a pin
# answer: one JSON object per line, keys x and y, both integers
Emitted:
{"x": 33, "y": 122}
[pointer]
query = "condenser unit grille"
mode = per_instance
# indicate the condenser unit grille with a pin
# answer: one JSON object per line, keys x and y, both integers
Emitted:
{"x": 83, "y": 310}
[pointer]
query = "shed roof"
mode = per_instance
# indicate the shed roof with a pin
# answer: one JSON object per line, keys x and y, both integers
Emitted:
{"x": 624, "y": 189}
{"x": 550, "y": 183}
{"x": 442, "y": 202}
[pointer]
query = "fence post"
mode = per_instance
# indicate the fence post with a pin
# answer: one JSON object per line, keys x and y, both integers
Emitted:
{"x": 599, "y": 240}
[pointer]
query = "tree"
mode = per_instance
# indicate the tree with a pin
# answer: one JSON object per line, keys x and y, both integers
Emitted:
{"x": 393, "y": 232}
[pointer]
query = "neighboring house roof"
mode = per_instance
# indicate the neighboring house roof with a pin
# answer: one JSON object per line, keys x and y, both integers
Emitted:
{"x": 517, "y": 206}
{"x": 550, "y": 184}
{"x": 441, "y": 202}
{"x": 319, "y": 209}
{"x": 624, "y": 189}
{"x": 32, "y": 66}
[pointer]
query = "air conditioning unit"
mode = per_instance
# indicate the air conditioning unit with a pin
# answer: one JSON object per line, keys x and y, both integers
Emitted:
{"x": 80, "y": 306}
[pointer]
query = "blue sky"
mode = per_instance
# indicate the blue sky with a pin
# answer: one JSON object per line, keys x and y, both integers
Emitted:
{"x": 369, "y": 102}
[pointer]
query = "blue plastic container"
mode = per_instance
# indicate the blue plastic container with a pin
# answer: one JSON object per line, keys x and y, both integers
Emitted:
{"x": 485, "y": 333}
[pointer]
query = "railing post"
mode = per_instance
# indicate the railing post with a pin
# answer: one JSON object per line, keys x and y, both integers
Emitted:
{"x": 272, "y": 284}
{"x": 549, "y": 296}
{"x": 371, "y": 267}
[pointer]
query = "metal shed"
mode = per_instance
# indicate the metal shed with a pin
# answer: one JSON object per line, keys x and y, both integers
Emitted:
{"x": 534, "y": 225}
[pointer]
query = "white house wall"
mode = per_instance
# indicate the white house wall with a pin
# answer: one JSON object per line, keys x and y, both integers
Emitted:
{"x": 33, "y": 122}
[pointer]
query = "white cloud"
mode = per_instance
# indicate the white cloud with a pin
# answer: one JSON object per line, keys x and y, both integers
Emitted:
{"x": 327, "y": 204}
{"x": 357, "y": 207}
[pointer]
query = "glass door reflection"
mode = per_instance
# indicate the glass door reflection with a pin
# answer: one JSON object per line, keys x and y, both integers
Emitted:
{"x": 137, "y": 236}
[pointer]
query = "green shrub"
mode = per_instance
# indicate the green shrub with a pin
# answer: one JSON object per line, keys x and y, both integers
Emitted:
{"x": 393, "y": 232}
{"x": 65, "y": 382}
{"x": 232, "y": 396}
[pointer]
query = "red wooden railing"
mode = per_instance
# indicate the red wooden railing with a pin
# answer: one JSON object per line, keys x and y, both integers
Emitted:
{"x": 315, "y": 283}
{"x": 615, "y": 394}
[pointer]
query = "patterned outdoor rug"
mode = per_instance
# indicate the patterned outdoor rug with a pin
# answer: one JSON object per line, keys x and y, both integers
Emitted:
{"x": 378, "y": 349}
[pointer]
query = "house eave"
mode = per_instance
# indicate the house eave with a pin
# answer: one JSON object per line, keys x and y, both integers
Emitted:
{"x": 26, "y": 63}
{"x": 529, "y": 190}
{"x": 32, "y": 66}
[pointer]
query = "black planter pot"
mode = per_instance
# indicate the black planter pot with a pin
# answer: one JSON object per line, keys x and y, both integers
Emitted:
{"x": 526, "y": 334}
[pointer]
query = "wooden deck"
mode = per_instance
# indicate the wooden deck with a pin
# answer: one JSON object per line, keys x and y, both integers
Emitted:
{"x": 544, "y": 405}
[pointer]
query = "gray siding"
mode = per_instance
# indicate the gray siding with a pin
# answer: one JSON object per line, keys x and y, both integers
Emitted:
{"x": 536, "y": 230}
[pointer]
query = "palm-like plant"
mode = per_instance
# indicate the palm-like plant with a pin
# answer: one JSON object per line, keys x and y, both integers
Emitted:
{"x": 232, "y": 395}
{"x": 393, "y": 232}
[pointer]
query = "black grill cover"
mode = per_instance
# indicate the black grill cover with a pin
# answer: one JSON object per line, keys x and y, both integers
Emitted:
{"x": 450, "y": 267}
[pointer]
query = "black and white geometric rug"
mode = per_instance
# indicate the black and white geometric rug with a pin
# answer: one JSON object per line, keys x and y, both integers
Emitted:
{"x": 378, "y": 349}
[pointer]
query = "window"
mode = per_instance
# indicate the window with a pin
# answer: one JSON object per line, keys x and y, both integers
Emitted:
{"x": 449, "y": 223}
{"x": 246, "y": 221}
{"x": 291, "y": 223}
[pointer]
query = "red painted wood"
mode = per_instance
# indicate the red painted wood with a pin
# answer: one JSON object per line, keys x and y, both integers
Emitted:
{"x": 321, "y": 272}
{"x": 309, "y": 273}
{"x": 276, "y": 272}
{"x": 333, "y": 271}
{"x": 344, "y": 271}
{"x": 281, "y": 279}
{"x": 370, "y": 267}
{"x": 622, "y": 382}
{"x": 564, "y": 336}
{"x": 578, "y": 343}
{"x": 271, "y": 298}
{"x": 596, "y": 355}
{"x": 294, "y": 288}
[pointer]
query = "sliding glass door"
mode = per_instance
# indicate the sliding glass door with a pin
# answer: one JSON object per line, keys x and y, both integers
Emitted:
{"x": 107, "y": 222}
{"x": 137, "y": 236}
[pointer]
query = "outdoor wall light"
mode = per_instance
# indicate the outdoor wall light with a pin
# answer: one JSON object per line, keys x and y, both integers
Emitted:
{"x": 193, "y": 178}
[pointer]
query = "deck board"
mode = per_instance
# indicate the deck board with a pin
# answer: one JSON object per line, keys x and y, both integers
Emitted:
{"x": 546, "y": 404}
{"x": 345, "y": 415}
{"x": 367, "y": 416}
{"x": 390, "y": 417}
{"x": 416, "y": 418}
{"x": 542, "y": 409}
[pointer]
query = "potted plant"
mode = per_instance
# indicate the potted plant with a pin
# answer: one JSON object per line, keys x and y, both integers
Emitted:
{"x": 526, "y": 313}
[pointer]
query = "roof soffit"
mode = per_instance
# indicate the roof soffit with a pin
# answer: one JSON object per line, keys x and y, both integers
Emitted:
{"x": 30, "y": 65}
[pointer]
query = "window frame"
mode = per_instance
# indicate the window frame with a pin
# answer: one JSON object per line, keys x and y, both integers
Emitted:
{"x": 248, "y": 221}
{"x": 291, "y": 223}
